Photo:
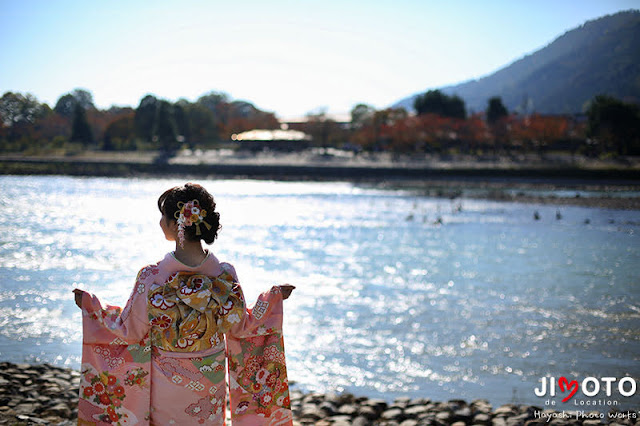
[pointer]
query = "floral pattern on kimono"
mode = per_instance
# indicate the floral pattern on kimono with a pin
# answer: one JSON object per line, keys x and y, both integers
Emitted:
{"x": 116, "y": 358}
{"x": 161, "y": 359}
{"x": 257, "y": 368}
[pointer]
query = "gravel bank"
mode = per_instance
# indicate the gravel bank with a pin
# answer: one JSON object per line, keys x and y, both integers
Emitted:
{"x": 48, "y": 395}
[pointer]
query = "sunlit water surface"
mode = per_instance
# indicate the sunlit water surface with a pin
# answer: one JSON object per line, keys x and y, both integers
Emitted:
{"x": 388, "y": 302}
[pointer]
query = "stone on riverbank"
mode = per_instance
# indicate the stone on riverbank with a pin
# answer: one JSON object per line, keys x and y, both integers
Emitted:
{"x": 38, "y": 394}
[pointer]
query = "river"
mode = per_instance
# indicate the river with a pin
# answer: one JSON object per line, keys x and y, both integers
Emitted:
{"x": 389, "y": 301}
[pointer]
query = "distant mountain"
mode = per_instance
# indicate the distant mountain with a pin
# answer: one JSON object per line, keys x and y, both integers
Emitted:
{"x": 600, "y": 57}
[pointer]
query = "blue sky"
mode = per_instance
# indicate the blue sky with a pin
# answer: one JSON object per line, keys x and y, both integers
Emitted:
{"x": 289, "y": 57}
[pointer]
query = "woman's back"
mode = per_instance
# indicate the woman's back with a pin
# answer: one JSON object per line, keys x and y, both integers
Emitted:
{"x": 161, "y": 359}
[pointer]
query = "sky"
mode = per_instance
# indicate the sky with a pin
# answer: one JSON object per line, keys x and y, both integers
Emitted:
{"x": 288, "y": 57}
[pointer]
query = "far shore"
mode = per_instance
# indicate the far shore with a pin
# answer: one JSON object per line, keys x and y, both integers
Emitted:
{"x": 552, "y": 179}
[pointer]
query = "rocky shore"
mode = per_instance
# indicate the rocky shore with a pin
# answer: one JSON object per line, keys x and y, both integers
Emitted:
{"x": 48, "y": 395}
{"x": 38, "y": 394}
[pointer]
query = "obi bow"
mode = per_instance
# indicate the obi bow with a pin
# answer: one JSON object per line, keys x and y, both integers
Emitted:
{"x": 190, "y": 312}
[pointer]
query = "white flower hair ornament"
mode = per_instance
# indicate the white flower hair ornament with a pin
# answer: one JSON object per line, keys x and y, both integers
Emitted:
{"x": 190, "y": 214}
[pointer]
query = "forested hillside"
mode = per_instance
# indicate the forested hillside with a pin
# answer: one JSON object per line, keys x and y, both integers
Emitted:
{"x": 600, "y": 57}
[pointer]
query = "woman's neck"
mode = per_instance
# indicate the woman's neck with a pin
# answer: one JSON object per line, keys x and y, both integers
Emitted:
{"x": 191, "y": 254}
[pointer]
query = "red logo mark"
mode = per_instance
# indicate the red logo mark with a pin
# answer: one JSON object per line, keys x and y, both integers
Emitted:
{"x": 570, "y": 385}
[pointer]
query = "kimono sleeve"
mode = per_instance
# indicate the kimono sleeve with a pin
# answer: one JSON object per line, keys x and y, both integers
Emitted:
{"x": 101, "y": 325}
{"x": 258, "y": 385}
{"x": 116, "y": 360}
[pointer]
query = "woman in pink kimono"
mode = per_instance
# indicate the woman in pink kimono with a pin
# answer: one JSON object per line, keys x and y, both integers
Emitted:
{"x": 161, "y": 359}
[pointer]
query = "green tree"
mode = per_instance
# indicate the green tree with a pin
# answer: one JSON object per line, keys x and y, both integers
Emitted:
{"x": 436, "y": 102}
{"x": 496, "y": 110}
{"x": 201, "y": 124}
{"x": 84, "y": 98}
{"x": 217, "y": 104}
{"x": 16, "y": 109}
{"x": 66, "y": 105}
{"x": 145, "y": 117}
{"x": 456, "y": 108}
{"x": 211, "y": 100}
{"x": 80, "y": 129}
{"x": 242, "y": 109}
{"x": 19, "y": 113}
{"x": 615, "y": 124}
{"x": 165, "y": 130}
{"x": 181, "y": 116}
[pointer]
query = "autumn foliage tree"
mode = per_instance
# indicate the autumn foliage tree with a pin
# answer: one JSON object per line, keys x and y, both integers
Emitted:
{"x": 538, "y": 133}
{"x": 119, "y": 133}
{"x": 492, "y": 132}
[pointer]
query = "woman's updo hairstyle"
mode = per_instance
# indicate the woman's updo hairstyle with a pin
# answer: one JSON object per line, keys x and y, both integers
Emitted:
{"x": 168, "y": 205}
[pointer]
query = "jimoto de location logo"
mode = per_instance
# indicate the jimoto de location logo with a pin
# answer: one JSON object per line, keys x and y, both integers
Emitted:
{"x": 598, "y": 391}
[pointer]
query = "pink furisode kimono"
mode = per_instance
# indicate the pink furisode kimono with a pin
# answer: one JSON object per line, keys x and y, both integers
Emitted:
{"x": 161, "y": 359}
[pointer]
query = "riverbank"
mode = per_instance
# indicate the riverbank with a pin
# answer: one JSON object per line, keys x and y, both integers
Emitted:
{"x": 48, "y": 395}
{"x": 558, "y": 180}
{"x": 329, "y": 164}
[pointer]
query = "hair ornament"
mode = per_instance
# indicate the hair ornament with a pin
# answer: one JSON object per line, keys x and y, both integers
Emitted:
{"x": 190, "y": 214}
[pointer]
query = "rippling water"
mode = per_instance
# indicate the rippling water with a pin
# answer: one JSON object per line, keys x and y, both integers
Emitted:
{"x": 388, "y": 302}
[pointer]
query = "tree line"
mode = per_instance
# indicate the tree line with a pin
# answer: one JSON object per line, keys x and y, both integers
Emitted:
{"x": 156, "y": 124}
{"x": 440, "y": 124}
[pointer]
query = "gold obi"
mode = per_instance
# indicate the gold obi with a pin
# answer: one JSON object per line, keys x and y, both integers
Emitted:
{"x": 191, "y": 312}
